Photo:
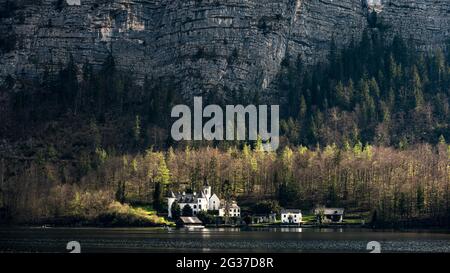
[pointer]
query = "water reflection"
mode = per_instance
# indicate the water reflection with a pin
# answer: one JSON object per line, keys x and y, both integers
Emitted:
{"x": 290, "y": 229}
{"x": 280, "y": 239}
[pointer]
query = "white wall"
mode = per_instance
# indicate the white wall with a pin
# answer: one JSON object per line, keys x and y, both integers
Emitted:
{"x": 73, "y": 2}
{"x": 169, "y": 205}
{"x": 207, "y": 191}
{"x": 296, "y": 218}
{"x": 195, "y": 206}
{"x": 214, "y": 203}
{"x": 374, "y": 2}
{"x": 231, "y": 212}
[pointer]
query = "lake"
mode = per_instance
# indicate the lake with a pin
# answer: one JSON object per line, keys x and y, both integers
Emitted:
{"x": 234, "y": 240}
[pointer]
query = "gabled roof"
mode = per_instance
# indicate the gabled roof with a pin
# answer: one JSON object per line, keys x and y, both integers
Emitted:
{"x": 293, "y": 211}
{"x": 264, "y": 215}
{"x": 330, "y": 211}
{"x": 233, "y": 205}
{"x": 191, "y": 220}
{"x": 215, "y": 196}
{"x": 187, "y": 198}
{"x": 205, "y": 182}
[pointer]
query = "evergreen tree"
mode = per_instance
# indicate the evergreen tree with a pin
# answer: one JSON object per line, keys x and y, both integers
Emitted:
{"x": 175, "y": 210}
{"x": 120, "y": 192}
{"x": 420, "y": 199}
{"x": 68, "y": 87}
{"x": 158, "y": 200}
{"x": 163, "y": 173}
{"x": 416, "y": 87}
{"x": 187, "y": 211}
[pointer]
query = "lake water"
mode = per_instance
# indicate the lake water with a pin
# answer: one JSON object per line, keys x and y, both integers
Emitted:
{"x": 290, "y": 240}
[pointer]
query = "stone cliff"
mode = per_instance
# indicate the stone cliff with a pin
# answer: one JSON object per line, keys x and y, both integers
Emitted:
{"x": 205, "y": 45}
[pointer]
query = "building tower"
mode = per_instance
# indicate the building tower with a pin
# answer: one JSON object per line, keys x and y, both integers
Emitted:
{"x": 170, "y": 200}
{"x": 207, "y": 190}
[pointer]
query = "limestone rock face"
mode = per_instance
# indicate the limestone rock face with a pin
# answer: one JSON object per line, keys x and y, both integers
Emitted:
{"x": 425, "y": 22}
{"x": 202, "y": 45}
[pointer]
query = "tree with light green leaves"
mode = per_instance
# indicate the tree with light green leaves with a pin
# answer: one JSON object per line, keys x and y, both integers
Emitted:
{"x": 163, "y": 173}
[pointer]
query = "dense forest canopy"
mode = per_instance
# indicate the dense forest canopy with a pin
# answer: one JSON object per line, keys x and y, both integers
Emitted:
{"x": 385, "y": 185}
{"x": 365, "y": 130}
{"x": 371, "y": 92}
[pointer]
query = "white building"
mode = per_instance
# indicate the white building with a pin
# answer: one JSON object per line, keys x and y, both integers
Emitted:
{"x": 269, "y": 218}
{"x": 375, "y": 5}
{"x": 233, "y": 210}
{"x": 333, "y": 215}
{"x": 73, "y": 2}
{"x": 291, "y": 216}
{"x": 198, "y": 202}
{"x": 373, "y": 2}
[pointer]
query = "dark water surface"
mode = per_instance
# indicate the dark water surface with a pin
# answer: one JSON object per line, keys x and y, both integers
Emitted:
{"x": 290, "y": 240}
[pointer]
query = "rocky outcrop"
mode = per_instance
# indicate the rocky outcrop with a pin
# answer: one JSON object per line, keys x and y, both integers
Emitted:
{"x": 204, "y": 45}
{"x": 318, "y": 23}
{"x": 427, "y": 23}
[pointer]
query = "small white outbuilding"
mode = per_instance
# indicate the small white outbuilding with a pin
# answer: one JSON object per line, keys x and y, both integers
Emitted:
{"x": 291, "y": 216}
{"x": 73, "y": 2}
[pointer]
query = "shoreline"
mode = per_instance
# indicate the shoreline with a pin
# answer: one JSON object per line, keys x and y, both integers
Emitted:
{"x": 242, "y": 227}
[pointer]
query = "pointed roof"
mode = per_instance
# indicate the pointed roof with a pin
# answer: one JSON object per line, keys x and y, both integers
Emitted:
{"x": 330, "y": 211}
{"x": 205, "y": 182}
{"x": 215, "y": 196}
{"x": 190, "y": 220}
{"x": 294, "y": 211}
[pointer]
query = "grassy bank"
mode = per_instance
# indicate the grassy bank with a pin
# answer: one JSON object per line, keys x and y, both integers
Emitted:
{"x": 114, "y": 215}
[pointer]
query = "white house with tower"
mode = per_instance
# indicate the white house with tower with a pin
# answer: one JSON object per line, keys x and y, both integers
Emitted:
{"x": 375, "y": 5}
{"x": 203, "y": 201}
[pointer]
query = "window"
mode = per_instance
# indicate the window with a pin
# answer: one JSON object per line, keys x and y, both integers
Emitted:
{"x": 195, "y": 206}
{"x": 200, "y": 206}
